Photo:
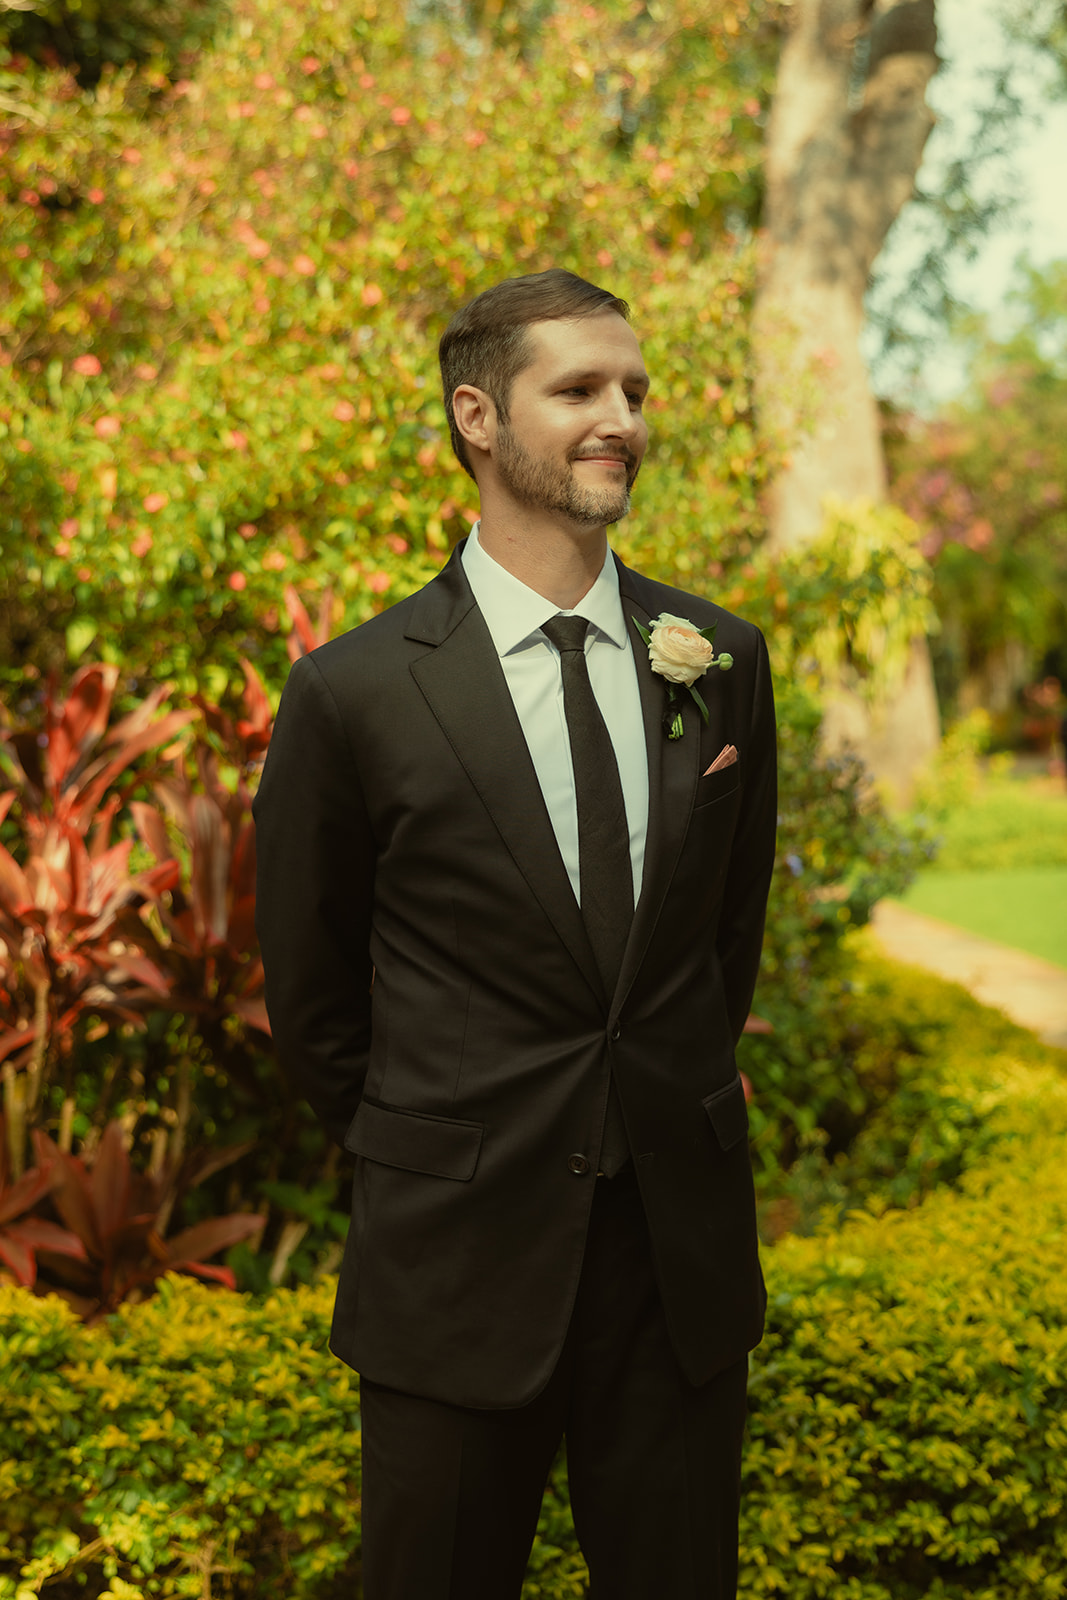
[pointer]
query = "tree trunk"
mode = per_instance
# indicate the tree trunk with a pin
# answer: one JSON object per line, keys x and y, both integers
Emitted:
{"x": 847, "y": 131}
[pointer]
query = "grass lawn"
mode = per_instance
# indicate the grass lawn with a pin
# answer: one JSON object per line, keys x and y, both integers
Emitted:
{"x": 1025, "y": 907}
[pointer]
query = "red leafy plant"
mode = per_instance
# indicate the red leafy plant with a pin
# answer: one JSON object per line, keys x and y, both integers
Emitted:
{"x": 22, "y": 1233}
{"x": 113, "y": 1213}
{"x": 59, "y": 906}
{"x": 199, "y": 945}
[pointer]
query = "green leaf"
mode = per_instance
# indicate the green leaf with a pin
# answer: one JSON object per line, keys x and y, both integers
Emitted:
{"x": 698, "y": 697}
{"x": 80, "y": 635}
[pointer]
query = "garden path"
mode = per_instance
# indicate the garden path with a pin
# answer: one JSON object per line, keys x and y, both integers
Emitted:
{"x": 1032, "y": 992}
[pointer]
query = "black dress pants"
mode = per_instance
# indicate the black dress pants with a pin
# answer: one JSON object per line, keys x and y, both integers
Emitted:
{"x": 451, "y": 1495}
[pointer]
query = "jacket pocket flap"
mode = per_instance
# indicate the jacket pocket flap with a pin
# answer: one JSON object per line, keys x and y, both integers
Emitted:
{"x": 438, "y": 1146}
{"x": 728, "y": 1113}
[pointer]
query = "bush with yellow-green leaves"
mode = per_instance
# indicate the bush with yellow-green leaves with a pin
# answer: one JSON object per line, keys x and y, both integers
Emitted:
{"x": 908, "y": 1435}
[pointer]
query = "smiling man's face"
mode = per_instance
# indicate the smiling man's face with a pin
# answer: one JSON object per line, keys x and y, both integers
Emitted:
{"x": 576, "y": 432}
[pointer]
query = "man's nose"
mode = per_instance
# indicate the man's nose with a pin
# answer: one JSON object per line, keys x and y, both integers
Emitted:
{"x": 617, "y": 418}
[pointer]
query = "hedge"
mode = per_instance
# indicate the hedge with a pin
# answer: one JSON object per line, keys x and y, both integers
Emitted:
{"x": 908, "y": 1434}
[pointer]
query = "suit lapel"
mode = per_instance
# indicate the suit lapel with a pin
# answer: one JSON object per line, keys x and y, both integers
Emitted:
{"x": 464, "y": 685}
{"x": 673, "y": 769}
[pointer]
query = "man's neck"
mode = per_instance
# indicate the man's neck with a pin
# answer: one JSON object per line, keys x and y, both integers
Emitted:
{"x": 560, "y": 561}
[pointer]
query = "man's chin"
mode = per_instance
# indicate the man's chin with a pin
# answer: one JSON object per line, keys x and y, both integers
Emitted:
{"x": 600, "y": 510}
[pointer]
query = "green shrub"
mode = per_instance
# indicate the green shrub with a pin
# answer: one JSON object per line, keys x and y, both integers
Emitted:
{"x": 909, "y": 1403}
{"x": 939, "y": 1075}
{"x": 1004, "y": 826}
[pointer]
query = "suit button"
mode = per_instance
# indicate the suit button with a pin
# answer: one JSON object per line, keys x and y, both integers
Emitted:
{"x": 578, "y": 1164}
{"x": 616, "y": 1031}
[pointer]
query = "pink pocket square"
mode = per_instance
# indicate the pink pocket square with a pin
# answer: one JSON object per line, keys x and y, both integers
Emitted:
{"x": 725, "y": 758}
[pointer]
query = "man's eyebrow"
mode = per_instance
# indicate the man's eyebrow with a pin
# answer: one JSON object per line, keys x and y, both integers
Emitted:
{"x": 635, "y": 379}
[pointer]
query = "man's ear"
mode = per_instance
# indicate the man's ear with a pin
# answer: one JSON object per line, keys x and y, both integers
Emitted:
{"x": 475, "y": 416}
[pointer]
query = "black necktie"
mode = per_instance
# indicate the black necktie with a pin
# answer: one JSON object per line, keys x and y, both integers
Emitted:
{"x": 605, "y": 869}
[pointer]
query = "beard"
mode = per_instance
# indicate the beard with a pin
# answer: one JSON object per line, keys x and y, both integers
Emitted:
{"x": 546, "y": 485}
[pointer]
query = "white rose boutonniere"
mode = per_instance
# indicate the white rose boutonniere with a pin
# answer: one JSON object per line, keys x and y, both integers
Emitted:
{"x": 681, "y": 653}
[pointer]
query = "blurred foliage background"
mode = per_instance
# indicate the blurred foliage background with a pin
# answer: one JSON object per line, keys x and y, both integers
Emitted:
{"x": 231, "y": 236}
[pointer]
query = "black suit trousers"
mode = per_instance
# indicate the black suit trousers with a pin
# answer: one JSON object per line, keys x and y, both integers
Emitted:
{"x": 451, "y": 1494}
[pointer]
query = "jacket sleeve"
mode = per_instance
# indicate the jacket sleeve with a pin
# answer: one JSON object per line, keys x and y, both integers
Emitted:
{"x": 740, "y": 933}
{"x": 314, "y": 893}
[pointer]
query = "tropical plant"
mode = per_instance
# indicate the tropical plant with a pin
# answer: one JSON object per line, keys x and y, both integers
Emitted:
{"x": 22, "y": 1232}
{"x": 63, "y": 958}
{"x": 114, "y": 1214}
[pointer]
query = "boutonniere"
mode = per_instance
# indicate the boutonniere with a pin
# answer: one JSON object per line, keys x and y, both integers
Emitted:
{"x": 681, "y": 653}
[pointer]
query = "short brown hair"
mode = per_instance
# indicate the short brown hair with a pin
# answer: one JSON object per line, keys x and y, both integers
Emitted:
{"x": 486, "y": 344}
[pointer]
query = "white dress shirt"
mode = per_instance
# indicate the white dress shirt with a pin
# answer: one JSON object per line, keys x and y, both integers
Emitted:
{"x": 532, "y": 667}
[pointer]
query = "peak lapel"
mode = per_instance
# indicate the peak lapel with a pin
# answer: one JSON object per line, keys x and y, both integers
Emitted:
{"x": 465, "y": 688}
{"x": 673, "y": 769}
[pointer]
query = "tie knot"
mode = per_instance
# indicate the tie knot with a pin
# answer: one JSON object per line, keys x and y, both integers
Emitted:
{"x": 566, "y": 633}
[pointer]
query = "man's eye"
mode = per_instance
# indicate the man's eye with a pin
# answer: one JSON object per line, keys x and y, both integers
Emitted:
{"x": 578, "y": 390}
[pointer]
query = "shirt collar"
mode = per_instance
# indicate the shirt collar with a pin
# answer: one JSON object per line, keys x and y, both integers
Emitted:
{"x": 513, "y": 611}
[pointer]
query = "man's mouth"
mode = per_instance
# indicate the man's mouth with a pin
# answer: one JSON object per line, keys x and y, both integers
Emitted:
{"x": 603, "y": 455}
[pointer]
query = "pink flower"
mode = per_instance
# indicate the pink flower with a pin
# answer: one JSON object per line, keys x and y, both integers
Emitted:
{"x": 304, "y": 265}
{"x": 247, "y": 530}
{"x": 263, "y": 80}
{"x": 398, "y": 545}
{"x": 156, "y": 500}
{"x": 107, "y": 427}
{"x": 131, "y": 156}
{"x": 237, "y": 440}
{"x": 378, "y": 582}
{"x": 141, "y": 545}
{"x": 69, "y": 527}
{"x": 275, "y": 561}
{"x": 371, "y": 295}
{"x": 310, "y": 64}
{"x": 146, "y": 372}
{"x": 344, "y": 411}
{"x": 400, "y": 115}
{"x": 237, "y": 581}
{"x": 89, "y": 366}
{"x": 95, "y": 196}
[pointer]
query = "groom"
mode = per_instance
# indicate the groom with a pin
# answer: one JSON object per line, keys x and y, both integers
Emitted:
{"x": 511, "y": 897}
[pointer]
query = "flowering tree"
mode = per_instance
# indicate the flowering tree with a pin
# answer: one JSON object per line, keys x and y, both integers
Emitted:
{"x": 985, "y": 481}
{"x": 220, "y": 317}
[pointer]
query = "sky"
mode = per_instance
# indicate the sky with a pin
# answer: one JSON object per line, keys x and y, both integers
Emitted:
{"x": 972, "y": 45}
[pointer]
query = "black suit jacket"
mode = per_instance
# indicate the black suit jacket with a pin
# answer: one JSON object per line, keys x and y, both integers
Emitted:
{"x": 401, "y": 833}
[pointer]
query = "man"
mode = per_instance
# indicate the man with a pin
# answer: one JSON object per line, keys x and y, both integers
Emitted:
{"x": 511, "y": 931}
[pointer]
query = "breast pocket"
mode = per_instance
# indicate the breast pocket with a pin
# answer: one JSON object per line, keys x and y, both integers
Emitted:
{"x": 716, "y": 786}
